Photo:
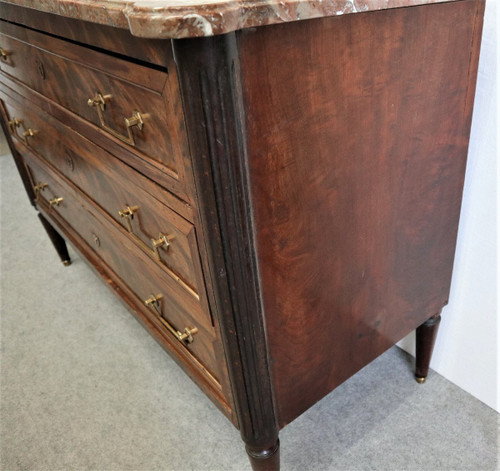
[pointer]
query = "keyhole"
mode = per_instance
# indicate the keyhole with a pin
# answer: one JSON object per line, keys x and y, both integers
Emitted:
{"x": 69, "y": 161}
{"x": 41, "y": 69}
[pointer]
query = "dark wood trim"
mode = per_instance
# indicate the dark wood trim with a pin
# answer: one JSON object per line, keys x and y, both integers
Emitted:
{"x": 208, "y": 72}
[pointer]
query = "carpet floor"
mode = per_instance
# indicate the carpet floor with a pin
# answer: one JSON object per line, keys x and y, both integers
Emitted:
{"x": 84, "y": 387}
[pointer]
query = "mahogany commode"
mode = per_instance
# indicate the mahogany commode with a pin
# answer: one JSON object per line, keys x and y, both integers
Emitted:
{"x": 277, "y": 201}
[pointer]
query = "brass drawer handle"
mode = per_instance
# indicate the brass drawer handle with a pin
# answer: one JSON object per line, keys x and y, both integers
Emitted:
{"x": 14, "y": 123}
{"x": 185, "y": 337}
{"x": 137, "y": 119}
{"x": 38, "y": 189}
{"x": 162, "y": 241}
{"x": 56, "y": 201}
{"x": 128, "y": 215}
{"x": 4, "y": 54}
{"x": 28, "y": 133}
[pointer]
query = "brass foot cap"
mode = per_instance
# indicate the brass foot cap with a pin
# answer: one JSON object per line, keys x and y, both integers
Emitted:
{"x": 420, "y": 380}
{"x": 66, "y": 262}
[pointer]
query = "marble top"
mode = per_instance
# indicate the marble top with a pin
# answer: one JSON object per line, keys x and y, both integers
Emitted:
{"x": 194, "y": 18}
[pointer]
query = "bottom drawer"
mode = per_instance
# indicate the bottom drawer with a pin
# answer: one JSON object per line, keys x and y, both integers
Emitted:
{"x": 174, "y": 313}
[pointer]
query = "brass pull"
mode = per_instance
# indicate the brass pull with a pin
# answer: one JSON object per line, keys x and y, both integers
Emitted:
{"x": 128, "y": 214}
{"x": 185, "y": 337}
{"x": 38, "y": 189}
{"x": 56, "y": 201}
{"x": 4, "y": 54}
{"x": 99, "y": 100}
{"x": 14, "y": 123}
{"x": 137, "y": 119}
{"x": 162, "y": 241}
{"x": 28, "y": 133}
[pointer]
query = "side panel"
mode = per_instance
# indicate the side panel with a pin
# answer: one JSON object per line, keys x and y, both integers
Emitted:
{"x": 357, "y": 132}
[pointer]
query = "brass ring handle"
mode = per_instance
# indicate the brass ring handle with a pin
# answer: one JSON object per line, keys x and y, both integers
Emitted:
{"x": 4, "y": 54}
{"x": 185, "y": 337}
{"x": 56, "y": 201}
{"x": 137, "y": 119}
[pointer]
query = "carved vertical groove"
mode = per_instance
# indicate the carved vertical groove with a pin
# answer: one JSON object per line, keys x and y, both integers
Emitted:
{"x": 208, "y": 69}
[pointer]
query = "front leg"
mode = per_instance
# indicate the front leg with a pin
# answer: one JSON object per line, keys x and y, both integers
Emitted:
{"x": 57, "y": 241}
{"x": 425, "y": 339}
{"x": 264, "y": 458}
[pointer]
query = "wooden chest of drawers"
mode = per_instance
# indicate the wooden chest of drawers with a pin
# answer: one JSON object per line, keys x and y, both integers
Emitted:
{"x": 277, "y": 205}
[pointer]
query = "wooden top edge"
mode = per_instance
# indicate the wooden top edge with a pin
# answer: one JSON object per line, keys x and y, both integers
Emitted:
{"x": 197, "y": 18}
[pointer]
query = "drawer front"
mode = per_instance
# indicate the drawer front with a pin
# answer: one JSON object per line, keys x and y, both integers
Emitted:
{"x": 173, "y": 311}
{"x": 140, "y": 106}
{"x": 166, "y": 237}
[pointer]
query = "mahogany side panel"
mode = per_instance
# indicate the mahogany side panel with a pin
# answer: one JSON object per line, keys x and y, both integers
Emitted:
{"x": 357, "y": 132}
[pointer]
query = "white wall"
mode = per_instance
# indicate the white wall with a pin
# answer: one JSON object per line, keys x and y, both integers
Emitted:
{"x": 466, "y": 350}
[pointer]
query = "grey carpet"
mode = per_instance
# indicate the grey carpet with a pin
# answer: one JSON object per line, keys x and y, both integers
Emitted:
{"x": 83, "y": 387}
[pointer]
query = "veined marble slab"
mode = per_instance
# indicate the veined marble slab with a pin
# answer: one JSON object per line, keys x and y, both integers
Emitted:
{"x": 195, "y": 18}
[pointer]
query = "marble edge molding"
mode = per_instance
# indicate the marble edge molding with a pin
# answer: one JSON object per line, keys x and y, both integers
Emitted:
{"x": 166, "y": 19}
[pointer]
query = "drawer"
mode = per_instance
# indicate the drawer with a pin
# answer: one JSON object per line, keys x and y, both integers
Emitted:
{"x": 177, "y": 315}
{"x": 136, "y": 105}
{"x": 126, "y": 196}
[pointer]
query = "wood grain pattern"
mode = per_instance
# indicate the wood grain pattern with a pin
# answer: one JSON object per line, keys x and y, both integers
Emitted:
{"x": 311, "y": 174}
{"x": 28, "y": 99}
{"x": 118, "y": 41}
{"x": 357, "y": 141}
{"x": 178, "y": 353}
{"x": 70, "y": 75}
{"x": 113, "y": 186}
{"x": 128, "y": 262}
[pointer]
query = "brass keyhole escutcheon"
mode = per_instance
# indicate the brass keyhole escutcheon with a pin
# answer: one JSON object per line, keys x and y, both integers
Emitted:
{"x": 96, "y": 239}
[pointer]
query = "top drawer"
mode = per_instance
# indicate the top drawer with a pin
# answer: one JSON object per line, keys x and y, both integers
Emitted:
{"x": 137, "y": 106}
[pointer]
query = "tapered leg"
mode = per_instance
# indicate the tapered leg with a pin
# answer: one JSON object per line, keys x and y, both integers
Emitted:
{"x": 426, "y": 337}
{"x": 265, "y": 459}
{"x": 56, "y": 239}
